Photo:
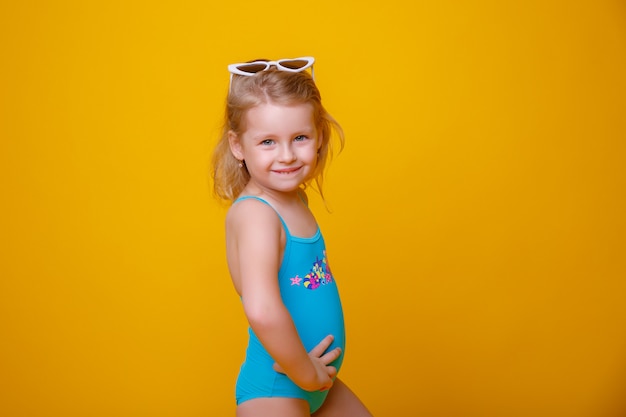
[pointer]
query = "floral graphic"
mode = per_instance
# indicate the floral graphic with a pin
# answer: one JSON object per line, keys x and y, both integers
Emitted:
{"x": 319, "y": 275}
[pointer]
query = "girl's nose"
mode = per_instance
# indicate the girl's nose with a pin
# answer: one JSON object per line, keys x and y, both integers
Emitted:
{"x": 287, "y": 154}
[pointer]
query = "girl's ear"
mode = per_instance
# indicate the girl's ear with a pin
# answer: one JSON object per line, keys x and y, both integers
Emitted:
{"x": 235, "y": 145}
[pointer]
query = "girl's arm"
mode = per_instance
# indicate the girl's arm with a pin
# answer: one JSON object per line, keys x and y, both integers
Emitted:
{"x": 257, "y": 235}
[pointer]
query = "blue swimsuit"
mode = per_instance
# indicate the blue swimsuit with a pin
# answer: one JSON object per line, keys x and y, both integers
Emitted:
{"x": 309, "y": 292}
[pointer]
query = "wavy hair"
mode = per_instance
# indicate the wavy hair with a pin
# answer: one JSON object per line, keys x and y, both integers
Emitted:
{"x": 269, "y": 87}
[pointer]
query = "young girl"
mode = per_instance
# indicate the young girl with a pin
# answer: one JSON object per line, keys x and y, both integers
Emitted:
{"x": 275, "y": 142}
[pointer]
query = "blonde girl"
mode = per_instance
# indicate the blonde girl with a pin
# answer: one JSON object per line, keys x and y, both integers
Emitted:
{"x": 275, "y": 143}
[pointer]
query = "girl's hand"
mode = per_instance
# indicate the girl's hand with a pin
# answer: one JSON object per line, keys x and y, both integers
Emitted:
{"x": 321, "y": 361}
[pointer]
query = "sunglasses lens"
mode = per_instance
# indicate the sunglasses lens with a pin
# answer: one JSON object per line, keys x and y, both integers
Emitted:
{"x": 294, "y": 63}
{"x": 252, "y": 68}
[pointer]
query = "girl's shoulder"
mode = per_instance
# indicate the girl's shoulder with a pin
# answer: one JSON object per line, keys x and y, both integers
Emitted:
{"x": 252, "y": 212}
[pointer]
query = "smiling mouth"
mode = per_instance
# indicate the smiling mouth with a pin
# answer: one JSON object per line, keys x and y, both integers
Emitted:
{"x": 286, "y": 171}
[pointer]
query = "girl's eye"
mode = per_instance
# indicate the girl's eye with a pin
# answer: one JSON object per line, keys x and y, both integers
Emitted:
{"x": 267, "y": 142}
{"x": 300, "y": 138}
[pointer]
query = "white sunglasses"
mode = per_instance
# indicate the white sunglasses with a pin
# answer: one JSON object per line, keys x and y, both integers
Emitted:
{"x": 288, "y": 64}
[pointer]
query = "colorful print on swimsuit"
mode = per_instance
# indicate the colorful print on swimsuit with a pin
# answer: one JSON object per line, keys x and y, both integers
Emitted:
{"x": 319, "y": 275}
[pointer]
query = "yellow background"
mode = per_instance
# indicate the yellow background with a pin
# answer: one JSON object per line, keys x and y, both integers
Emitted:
{"x": 477, "y": 228}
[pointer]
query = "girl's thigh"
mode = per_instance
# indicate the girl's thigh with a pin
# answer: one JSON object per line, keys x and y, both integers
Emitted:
{"x": 342, "y": 402}
{"x": 273, "y": 407}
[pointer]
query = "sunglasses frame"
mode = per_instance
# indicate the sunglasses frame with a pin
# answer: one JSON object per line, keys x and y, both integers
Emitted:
{"x": 234, "y": 68}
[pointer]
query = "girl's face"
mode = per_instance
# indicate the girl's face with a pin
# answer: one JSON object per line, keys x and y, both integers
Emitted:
{"x": 279, "y": 145}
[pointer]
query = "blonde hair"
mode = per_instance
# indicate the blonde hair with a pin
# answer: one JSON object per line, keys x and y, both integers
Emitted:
{"x": 275, "y": 87}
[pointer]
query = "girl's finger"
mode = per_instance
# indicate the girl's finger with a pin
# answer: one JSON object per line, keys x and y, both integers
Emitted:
{"x": 321, "y": 347}
{"x": 328, "y": 357}
{"x": 278, "y": 368}
{"x": 332, "y": 372}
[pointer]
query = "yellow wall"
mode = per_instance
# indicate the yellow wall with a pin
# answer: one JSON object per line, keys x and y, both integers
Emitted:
{"x": 478, "y": 228}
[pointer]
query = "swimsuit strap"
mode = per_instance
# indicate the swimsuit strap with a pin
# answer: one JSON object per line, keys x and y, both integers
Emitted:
{"x": 253, "y": 197}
